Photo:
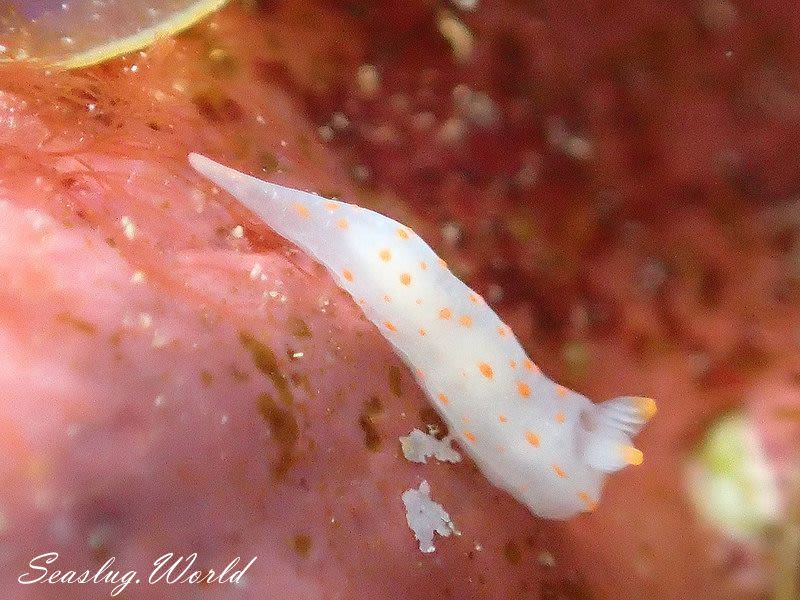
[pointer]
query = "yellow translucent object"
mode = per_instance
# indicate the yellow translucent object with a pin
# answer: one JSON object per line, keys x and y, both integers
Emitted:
{"x": 68, "y": 34}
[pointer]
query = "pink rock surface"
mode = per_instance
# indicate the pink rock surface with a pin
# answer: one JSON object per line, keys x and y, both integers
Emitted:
{"x": 160, "y": 395}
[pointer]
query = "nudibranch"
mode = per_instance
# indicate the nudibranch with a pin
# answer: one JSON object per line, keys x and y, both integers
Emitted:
{"x": 548, "y": 446}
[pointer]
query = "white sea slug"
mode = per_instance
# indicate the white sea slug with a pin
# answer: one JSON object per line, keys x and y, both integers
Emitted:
{"x": 548, "y": 446}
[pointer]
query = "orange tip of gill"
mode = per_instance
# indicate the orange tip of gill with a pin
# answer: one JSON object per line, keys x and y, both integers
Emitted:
{"x": 631, "y": 455}
{"x": 647, "y": 407}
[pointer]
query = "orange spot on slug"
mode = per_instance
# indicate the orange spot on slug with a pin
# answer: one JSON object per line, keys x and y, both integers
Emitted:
{"x": 465, "y": 321}
{"x": 385, "y": 255}
{"x": 468, "y": 435}
{"x": 402, "y": 233}
{"x": 559, "y": 471}
{"x": 405, "y": 279}
{"x": 486, "y": 370}
{"x": 301, "y": 210}
{"x": 523, "y": 389}
{"x": 342, "y": 224}
{"x": 590, "y": 504}
{"x": 532, "y": 439}
{"x": 347, "y": 274}
{"x": 445, "y": 313}
{"x": 443, "y": 399}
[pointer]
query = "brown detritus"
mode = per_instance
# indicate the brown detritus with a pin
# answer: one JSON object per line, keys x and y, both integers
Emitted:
{"x": 395, "y": 381}
{"x": 221, "y": 63}
{"x": 298, "y": 327}
{"x": 216, "y": 107}
{"x": 366, "y": 420}
{"x": 274, "y": 72}
{"x": 239, "y": 375}
{"x": 302, "y": 381}
{"x": 429, "y": 416}
{"x": 207, "y": 378}
{"x": 788, "y": 413}
{"x": 573, "y": 588}
{"x": 301, "y": 544}
{"x": 512, "y": 553}
{"x": 285, "y": 430}
{"x": 269, "y": 163}
{"x": 265, "y": 361}
{"x": 750, "y": 357}
{"x": 76, "y": 322}
{"x": 373, "y": 406}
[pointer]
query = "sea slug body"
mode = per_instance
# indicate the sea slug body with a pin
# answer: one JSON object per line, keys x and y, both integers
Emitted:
{"x": 548, "y": 446}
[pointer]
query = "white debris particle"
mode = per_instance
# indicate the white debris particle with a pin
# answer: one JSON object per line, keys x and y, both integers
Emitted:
{"x": 128, "y": 227}
{"x": 528, "y": 174}
{"x": 340, "y": 121}
{"x": 361, "y": 172}
{"x": 145, "y": 320}
{"x": 417, "y": 446}
{"x": 369, "y": 80}
{"x": 255, "y": 271}
{"x": 137, "y": 277}
{"x": 35, "y": 218}
{"x": 546, "y": 559}
{"x": 426, "y": 517}
{"x": 238, "y": 232}
{"x": 457, "y": 35}
{"x": 452, "y": 233}
{"x": 326, "y": 133}
{"x": 160, "y": 339}
{"x": 198, "y": 200}
{"x": 423, "y": 121}
{"x": 477, "y": 107}
{"x": 494, "y": 293}
{"x": 572, "y": 145}
{"x": 466, "y": 4}
{"x": 452, "y": 131}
